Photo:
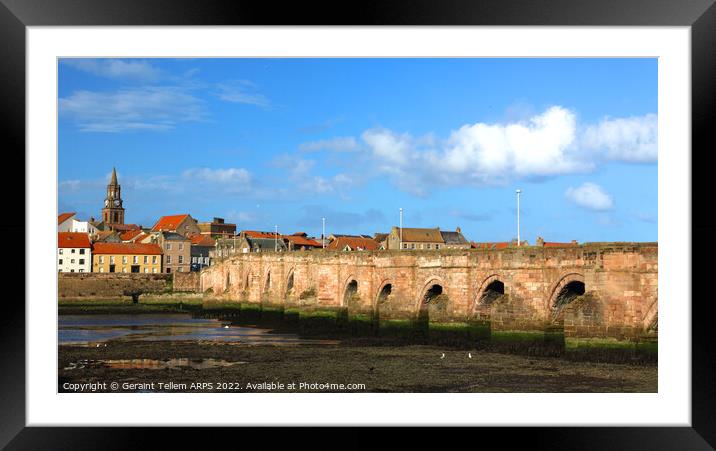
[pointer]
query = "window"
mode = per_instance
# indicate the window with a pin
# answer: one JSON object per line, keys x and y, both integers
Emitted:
{"x": 72, "y": 251}
{"x": 135, "y": 259}
{"x": 181, "y": 259}
{"x": 82, "y": 251}
{"x": 146, "y": 259}
{"x": 169, "y": 259}
{"x": 412, "y": 246}
{"x": 101, "y": 258}
{"x": 154, "y": 259}
{"x": 428, "y": 245}
{"x": 60, "y": 261}
{"x": 60, "y": 270}
{"x": 178, "y": 269}
{"x": 405, "y": 245}
{"x": 124, "y": 259}
{"x": 72, "y": 270}
{"x": 124, "y": 269}
{"x": 169, "y": 246}
{"x": 154, "y": 270}
{"x": 61, "y": 251}
{"x": 72, "y": 261}
{"x": 111, "y": 259}
{"x": 82, "y": 270}
{"x": 437, "y": 246}
{"x": 146, "y": 269}
{"x": 82, "y": 261}
{"x": 181, "y": 246}
{"x": 101, "y": 269}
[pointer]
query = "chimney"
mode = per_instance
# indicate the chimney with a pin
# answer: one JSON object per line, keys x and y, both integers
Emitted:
{"x": 540, "y": 242}
{"x": 458, "y": 230}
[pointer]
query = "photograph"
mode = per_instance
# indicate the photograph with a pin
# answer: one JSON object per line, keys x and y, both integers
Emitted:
{"x": 357, "y": 225}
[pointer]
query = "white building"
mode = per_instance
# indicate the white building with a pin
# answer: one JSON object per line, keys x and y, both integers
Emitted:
{"x": 67, "y": 222}
{"x": 74, "y": 252}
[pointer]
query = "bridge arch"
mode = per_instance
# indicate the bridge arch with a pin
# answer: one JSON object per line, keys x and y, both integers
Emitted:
{"x": 385, "y": 289}
{"x": 267, "y": 282}
{"x": 491, "y": 288}
{"x": 567, "y": 288}
{"x": 350, "y": 290}
{"x": 433, "y": 288}
{"x": 290, "y": 281}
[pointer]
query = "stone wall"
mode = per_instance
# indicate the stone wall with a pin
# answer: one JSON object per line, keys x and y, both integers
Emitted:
{"x": 620, "y": 278}
{"x": 186, "y": 282}
{"x": 110, "y": 285}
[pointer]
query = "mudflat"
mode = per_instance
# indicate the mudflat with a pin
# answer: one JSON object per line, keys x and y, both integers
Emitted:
{"x": 359, "y": 367}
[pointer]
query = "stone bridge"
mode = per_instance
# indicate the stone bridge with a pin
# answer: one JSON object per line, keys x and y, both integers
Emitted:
{"x": 595, "y": 289}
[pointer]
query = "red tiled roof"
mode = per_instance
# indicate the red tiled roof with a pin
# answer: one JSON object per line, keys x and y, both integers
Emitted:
{"x": 256, "y": 234}
{"x": 202, "y": 240}
{"x": 298, "y": 240}
{"x": 169, "y": 223}
{"x": 122, "y": 227}
{"x": 64, "y": 217}
{"x": 73, "y": 239}
{"x": 500, "y": 245}
{"x": 367, "y": 244}
{"x": 126, "y": 249}
{"x": 130, "y": 234}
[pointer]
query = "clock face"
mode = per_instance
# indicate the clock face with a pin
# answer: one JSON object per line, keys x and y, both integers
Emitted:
{"x": 116, "y": 203}
{"x": 106, "y": 203}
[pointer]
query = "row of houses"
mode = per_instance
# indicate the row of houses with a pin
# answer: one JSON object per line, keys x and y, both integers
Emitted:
{"x": 175, "y": 243}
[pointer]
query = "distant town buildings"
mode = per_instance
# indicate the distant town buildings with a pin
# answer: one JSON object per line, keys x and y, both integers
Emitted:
{"x": 179, "y": 243}
{"x": 126, "y": 258}
{"x": 74, "y": 252}
{"x": 217, "y": 228}
{"x": 182, "y": 224}
{"x": 426, "y": 239}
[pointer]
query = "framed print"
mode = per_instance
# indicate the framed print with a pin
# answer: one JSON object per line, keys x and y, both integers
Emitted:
{"x": 361, "y": 224}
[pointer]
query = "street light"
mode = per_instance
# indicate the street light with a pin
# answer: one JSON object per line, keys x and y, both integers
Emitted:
{"x": 401, "y": 230}
{"x": 519, "y": 191}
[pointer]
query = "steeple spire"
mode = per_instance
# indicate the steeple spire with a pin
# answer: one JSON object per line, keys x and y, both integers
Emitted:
{"x": 114, "y": 177}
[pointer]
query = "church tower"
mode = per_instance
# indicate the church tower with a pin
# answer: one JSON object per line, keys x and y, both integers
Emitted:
{"x": 113, "y": 212}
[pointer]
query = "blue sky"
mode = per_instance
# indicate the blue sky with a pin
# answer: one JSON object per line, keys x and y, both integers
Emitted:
{"x": 265, "y": 142}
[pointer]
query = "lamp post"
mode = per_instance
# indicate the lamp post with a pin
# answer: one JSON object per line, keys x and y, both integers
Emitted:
{"x": 401, "y": 229}
{"x": 323, "y": 235}
{"x": 519, "y": 191}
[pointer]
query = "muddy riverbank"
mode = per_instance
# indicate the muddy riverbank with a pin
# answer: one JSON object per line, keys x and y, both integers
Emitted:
{"x": 360, "y": 368}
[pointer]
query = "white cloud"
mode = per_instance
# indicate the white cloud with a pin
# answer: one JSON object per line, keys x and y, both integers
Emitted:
{"x": 341, "y": 144}
{"x": 116, "y": 68}
{"x": 230, "y": 179}
{"x": 631, "y": 139}
{"x": 545, "y": 145}
{"x": 242, "y": 91}
{"x": 590, "y": 196}
{"x": 147, "y": 108}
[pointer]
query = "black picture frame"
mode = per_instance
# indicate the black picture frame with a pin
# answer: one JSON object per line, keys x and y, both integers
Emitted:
{"x": 700, "y": 15}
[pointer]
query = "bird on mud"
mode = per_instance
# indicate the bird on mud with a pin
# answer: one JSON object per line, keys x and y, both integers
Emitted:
{"x": 469, "y": 355}
{"x": 442, "y": 356}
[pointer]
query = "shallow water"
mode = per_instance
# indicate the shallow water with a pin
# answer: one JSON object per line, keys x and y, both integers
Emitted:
{"x": 97, "y": 330}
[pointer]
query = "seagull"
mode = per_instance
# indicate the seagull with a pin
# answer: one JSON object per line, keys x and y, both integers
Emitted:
{"x": 442, "y": 356}
{"x": 469, "y": 355}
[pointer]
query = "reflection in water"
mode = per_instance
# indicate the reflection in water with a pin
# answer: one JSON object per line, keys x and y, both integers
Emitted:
{"x": 150, "y": 364}
{"x": 93, "y": 330}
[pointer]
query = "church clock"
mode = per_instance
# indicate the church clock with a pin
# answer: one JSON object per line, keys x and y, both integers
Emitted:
{"x": 113, "y": 213}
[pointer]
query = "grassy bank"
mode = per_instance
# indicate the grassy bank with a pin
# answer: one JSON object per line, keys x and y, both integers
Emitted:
{"x": 368, "y": 328}
{"x": 159, "y": 304}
